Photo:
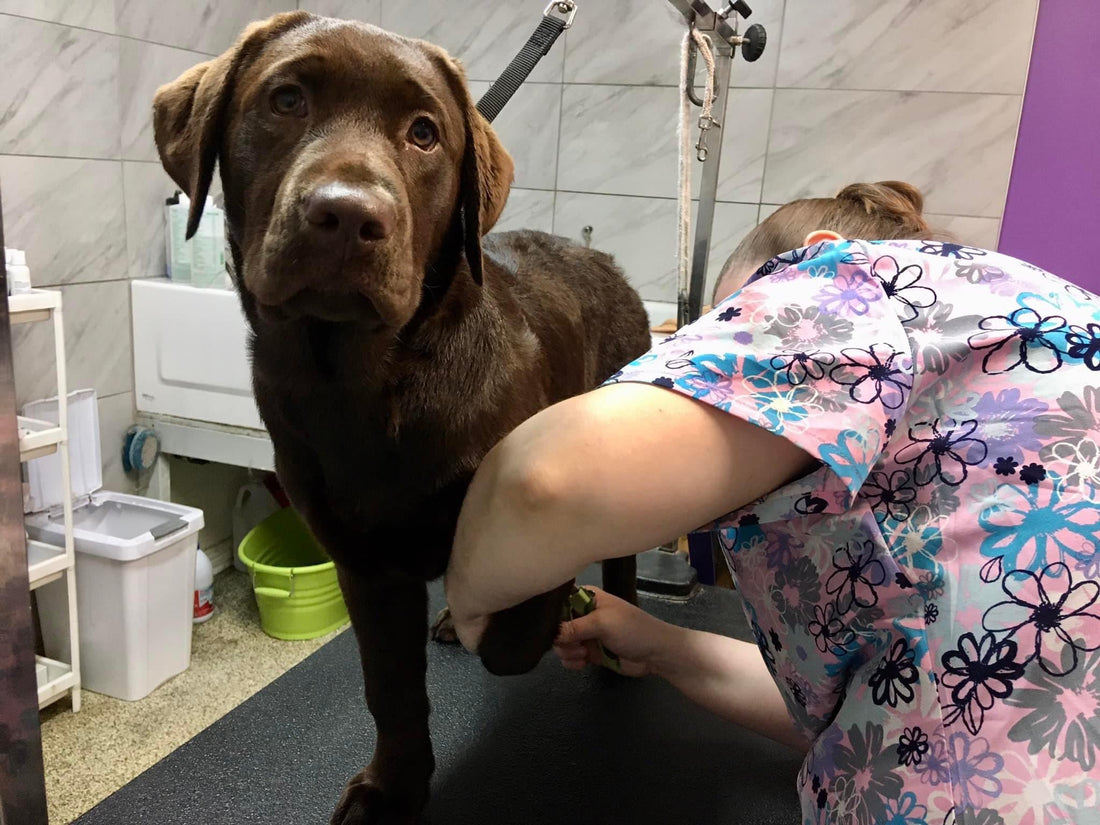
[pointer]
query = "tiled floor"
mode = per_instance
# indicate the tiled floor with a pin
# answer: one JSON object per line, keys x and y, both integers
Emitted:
{"x": 91, "y": 754}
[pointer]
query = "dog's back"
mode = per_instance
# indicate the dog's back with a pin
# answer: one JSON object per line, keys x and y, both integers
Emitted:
{"x": 564, "y": 290}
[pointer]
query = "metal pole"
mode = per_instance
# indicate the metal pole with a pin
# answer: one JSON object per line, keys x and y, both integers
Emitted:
{"x": 690, "y": 306}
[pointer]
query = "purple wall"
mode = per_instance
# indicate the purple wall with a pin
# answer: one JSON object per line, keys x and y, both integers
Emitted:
{"x": 1052, "y": 217}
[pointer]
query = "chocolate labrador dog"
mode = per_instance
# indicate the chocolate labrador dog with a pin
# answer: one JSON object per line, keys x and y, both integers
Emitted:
{"x": 393, "y": 345}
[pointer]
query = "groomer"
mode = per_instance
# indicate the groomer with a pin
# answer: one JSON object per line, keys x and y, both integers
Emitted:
{"x": 897, "y": 442}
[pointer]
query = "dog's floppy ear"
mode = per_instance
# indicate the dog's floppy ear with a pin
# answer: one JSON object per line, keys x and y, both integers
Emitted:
{"x": 190, "y": 113}
{"x": 487, "y": 170}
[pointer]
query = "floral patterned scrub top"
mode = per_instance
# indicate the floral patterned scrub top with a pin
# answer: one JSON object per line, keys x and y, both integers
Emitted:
{"x": 928, "y": 600}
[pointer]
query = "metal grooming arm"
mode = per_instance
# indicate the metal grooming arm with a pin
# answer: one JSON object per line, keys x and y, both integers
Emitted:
{"x": 658, "y": 571}
{"x": 726, "y": 39}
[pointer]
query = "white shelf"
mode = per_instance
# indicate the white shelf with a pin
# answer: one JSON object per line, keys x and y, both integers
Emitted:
{"x": 36, "y": 305}
{"x": 45, "y": 563}
{"x": 59, "y": 680}
{"x": 38, "y": 438}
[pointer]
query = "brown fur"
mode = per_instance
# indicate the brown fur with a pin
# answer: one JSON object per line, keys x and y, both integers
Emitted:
{"x": 385, "y": 371}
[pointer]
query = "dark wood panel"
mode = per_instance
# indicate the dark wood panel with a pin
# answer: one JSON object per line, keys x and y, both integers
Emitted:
{"x": 22, "y": 786}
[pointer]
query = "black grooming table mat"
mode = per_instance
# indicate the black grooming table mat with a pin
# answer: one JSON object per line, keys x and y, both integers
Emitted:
{"x": 553, "y": 746}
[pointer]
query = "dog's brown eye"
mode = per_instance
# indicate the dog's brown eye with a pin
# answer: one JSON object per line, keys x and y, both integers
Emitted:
{"x": 423, "y": 133}
{"x": 288, "y": 100}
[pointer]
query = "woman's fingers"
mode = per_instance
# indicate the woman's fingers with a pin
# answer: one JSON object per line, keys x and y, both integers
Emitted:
{"x": 575, "y": 658}
{"x": 594, "y": 654}
{"x": 570, "y": 651}
{"x": 581, "y": 629}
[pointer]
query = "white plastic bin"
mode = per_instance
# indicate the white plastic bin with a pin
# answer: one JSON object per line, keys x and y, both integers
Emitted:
{"x": 135, "y": 567}
{"x": 135, "y": 590}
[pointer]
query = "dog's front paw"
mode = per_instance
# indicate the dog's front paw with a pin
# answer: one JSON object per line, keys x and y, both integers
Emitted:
{"x": 366, "y": 801}
{"x": 443, "y": 628}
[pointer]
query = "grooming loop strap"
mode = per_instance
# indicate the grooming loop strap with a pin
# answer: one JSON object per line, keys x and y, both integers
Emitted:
{"x": 694, "y": 41}
{"x": 557, "y": 17}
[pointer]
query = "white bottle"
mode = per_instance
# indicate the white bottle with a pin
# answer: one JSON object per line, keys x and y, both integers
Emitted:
{"x": 207, "y": 259}
{"x": 223, "y": 275}
{"x": 176, "y": 246}
{"x": 204, "y": 588}
{"x": 19, "y": 275}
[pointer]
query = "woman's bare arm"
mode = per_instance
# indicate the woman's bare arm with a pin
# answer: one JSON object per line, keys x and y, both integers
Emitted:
{"x": 602, "y": 475}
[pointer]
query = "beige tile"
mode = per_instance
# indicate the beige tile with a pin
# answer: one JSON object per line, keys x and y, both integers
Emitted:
{"x": 528, "y": 209}
{"x": 644, "y": 49}
{"x": 87, "y": 14}
{"x": 618, "y": 140}
{"x": 67, "y": 215}
{"x": 116, "y": 415}
{"x": 142, "y": 68}
{"x": 932, "y": 45}
{"x": 957, "y": 148}
{"x": 528, "y": 128}
{"x": 59, "y": 95}
{"x": 200, "y": 25}
{"x": 766, "y": 211}
{"x": 732, "y": 222}
{"x": 645, "y": 46}
{"x": 213, "y": 489}
{"x": 744, "y": 146}
{"x": 147, "y": 187}
{"x": 484, "y": 34}
{"x": 369, "y": 11}
{"x": 980, "y": 232}
{"x": 641, "y": 234}
{"x": 623, "y": 140}
{"x": 97, "y": 344}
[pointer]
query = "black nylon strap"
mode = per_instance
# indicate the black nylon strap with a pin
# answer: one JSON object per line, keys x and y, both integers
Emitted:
{"x": 537, "y": 46}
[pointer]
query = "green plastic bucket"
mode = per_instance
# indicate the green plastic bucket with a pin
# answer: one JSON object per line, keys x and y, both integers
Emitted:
{"x": 294, "y": 581}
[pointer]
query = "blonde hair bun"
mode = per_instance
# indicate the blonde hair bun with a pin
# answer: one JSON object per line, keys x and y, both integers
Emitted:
{"x": 889, "y": 198}
{"x": 884, "y": 211}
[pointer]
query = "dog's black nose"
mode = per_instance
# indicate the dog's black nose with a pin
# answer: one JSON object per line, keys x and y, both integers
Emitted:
{"x": 356, "y": 214}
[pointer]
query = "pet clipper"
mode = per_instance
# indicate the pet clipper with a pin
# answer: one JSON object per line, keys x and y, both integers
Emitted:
{"x": 581, "y": 602}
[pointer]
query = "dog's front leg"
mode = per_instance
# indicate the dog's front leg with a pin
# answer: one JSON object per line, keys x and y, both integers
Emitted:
{"x": 389, "y": 613}
{"x": 620, "y": 578}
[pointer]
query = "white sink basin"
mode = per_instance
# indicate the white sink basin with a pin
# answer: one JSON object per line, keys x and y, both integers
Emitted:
{"x": 191, "y": 354}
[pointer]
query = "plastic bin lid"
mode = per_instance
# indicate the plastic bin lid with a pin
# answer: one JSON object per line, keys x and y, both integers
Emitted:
{"x": 85, "y": 461}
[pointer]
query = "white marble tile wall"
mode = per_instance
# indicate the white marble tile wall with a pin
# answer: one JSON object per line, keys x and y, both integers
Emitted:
{"x": 976, "y": 46}
{"x": 200, "y": 25}
{"x": 82, "y": 188}
{"x": 87, "y": 14}
{"x": 956, "y": 147}
{"x": 847, "y": 90}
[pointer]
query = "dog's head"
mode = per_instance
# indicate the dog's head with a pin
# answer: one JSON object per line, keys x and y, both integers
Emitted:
{"x": 350, "y": 159}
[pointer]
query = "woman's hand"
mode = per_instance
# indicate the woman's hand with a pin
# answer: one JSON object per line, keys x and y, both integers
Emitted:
{"x": 726, "y": 676}
{"x": 638, "y": 639}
